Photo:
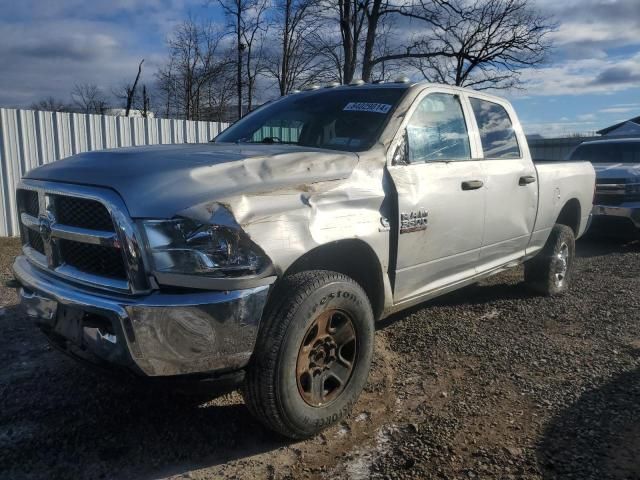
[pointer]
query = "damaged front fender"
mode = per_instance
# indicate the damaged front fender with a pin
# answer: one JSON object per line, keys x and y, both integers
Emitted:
{"x": 288, "y": 222}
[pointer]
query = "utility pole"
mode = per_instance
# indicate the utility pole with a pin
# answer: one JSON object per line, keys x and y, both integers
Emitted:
{"x": 240, "y": 50}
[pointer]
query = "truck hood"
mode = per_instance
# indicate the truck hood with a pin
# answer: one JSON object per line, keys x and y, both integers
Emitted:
{"x": 630, "y": 171}
{"x": 159, "y": 181}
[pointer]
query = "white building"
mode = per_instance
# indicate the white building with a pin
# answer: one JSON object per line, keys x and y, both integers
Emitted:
{"x": 120, "y": 112}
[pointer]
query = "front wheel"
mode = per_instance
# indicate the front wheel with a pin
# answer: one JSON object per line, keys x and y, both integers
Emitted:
{"x": 550, "y": 272}
{"x": 313, "y": 354}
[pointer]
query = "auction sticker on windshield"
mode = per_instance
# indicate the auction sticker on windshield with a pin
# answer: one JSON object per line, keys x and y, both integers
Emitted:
{"x": 367, "y": 107}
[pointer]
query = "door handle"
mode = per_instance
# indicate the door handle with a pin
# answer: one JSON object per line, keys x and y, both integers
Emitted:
{"x": 472, "y": 184}
{"x": 526, "y": 180}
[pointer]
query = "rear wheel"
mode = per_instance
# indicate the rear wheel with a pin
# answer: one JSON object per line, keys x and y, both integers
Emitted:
{"x": 313, "y": 354}
{"x": 549, "y": 272}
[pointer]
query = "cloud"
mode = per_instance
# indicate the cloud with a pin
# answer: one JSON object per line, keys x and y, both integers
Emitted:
{"x": 47, "y": 9}
{"x": 79, "y": 47}
{"x": 594, "y": 22}
{"x": 48, "y": 46}
{"x": 559, "y": 129}
{"x": 586, "y": 117}
{"x": 580, "y": 77}
{"x": 618, "y": 75}
{"x": 593, "y": 29}
{"x": 618, "y": 110}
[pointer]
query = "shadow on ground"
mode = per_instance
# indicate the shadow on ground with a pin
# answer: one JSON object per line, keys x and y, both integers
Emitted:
{"x": 598, "y": 437}
{"x": 59, "y": 419}
{"x": 596, "y": 244}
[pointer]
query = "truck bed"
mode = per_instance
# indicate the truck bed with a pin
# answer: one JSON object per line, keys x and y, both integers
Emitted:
{"x": 560, "y": 182}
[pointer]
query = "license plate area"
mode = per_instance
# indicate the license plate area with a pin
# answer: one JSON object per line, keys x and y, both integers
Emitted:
{"x": 69, "y": 323}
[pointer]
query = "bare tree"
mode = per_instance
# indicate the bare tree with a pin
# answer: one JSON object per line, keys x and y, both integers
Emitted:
{"x": 51, "y": 104}
{"x": 128, "y": 93}
{"x": 89, "y": 98}
{"x": 480, "y": 44}
{"x": 364, "y": 28}
{"x": 352, "y": 15}
{"x": 247, "y": 20}
{"x": 146, "y": 102}
{"x": 326, "y": 47}
{"x": 131, "y": 90}
{"x": 373, "y": 10}
{"x": 296, "y": 63}
{"x": 365, "y": 33}
{"x": 477, "y": 43}
{"x": 254, "y": 33}
{"x": 197, "y": 66}
{"x": 384, "y": 44}
{"x": 235, "y": 10}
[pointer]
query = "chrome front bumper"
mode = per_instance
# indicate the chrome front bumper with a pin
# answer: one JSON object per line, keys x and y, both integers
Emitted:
{"x": 630, "y": 211}
{"x": 160, "y": 334}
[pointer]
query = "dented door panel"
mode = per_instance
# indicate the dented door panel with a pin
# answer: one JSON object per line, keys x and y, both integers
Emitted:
{"x": 447, "y": 250}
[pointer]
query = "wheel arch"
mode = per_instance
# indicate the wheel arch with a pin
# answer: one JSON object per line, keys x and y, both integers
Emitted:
{"x": 352, "y": 257}
{"x": 570, "y": 215}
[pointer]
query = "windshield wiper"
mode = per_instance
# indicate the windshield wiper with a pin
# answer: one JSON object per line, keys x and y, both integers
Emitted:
{"x": 265, "y": 140}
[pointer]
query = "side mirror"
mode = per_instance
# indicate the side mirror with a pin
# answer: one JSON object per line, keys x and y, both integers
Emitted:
{"x": 401, "y": 155}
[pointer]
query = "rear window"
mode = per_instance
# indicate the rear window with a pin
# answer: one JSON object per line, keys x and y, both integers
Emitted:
{"x": 608, "y": 152}
{"x": 496, "y": 130}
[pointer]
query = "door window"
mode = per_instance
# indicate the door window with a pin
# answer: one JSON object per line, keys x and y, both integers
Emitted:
{"x": 496, "y": 130}
{"x": 437, "y": 130}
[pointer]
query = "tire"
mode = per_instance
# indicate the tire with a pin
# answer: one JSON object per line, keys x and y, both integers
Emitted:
{"x": 292, "y": 367}
{"x": 550, "y": 272}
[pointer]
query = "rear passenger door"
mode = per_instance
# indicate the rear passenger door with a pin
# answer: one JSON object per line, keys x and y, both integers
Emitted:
{"x": 511, "y": 183}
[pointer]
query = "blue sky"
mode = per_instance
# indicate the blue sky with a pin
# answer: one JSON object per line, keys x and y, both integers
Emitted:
{"x": 591, "y": 81}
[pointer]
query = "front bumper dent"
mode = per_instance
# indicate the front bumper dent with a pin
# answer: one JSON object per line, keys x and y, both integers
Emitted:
{"x": 629, "y": 211}
{"x": 160, "y": 334}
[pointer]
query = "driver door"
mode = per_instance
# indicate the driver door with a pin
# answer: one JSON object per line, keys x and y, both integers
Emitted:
{"x": 441, "y": 196}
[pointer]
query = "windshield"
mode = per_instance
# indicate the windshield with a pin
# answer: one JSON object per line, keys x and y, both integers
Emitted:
{"x": 347, "y": 119}
{"x": 608, "y": 152}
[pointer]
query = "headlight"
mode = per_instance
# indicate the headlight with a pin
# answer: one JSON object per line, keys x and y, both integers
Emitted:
{"x": 188, "y": 247}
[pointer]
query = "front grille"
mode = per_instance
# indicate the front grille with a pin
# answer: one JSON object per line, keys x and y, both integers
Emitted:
{"x": 28, "y": 202}
{"x": 615, "y": 191}
{"x": 614, "y": 200}
{"x": 84, "y": 213}
{"x": 91, "y": 220}
{"x": 609, "y": 181}
{"x": 35, "y": 241}
{"x": 94, "y": 259}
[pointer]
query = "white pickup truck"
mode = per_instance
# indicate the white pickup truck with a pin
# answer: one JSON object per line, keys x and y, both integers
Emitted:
{"x": 266, "y": 257}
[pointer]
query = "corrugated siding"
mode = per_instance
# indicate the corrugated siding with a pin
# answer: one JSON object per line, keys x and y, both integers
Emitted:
{"x": 29, "y": 139}
{"x": 553, "y": 148}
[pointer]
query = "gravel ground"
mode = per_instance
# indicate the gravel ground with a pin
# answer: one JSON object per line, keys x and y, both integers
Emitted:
{"x": 488, "y": 382}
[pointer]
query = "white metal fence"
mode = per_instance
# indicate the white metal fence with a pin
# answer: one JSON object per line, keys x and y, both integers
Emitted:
{"x": 29, "y": 139}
